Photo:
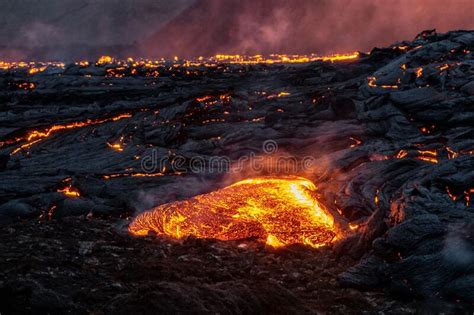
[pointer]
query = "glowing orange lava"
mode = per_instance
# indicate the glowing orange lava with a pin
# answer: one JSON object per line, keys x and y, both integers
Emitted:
{"x": 70, "y": 192}
{"x": 372, "y": 82}
{"x": 280, "y": 94}
{"x": 105, "y": 60}
{"x": 121, "y": 68}
{"x": 282, "y": 58}
{"x": 419, "y": 72}
{"x": 356, "y": 143}
{"x": 401, "y": 154}
{"x": 428, "y": 156}
{"x": 281, "y": 211}
{"x": 118, "y": 175}
{"x": 467, "y": 195}
{"x": 36, "y": 136}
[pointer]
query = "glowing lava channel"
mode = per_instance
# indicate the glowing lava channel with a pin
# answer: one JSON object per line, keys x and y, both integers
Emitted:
{"x": 280, "y": 211}
{"x": 36, "y": 136}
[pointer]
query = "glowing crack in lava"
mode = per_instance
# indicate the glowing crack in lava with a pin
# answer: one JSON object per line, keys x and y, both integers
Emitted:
{"x": 281, "y": 211}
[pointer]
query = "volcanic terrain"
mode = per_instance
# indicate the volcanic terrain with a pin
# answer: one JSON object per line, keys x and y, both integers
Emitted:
{"x": 87, "y": 146}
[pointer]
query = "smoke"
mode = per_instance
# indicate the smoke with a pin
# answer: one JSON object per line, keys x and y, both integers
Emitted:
{"x": 80, "y": 29}
{"x": 184, "y": 188}
{"x": 38, "y": 34}
{"x": 66, "y": 29}
{"x": 302, "y": 26}
{"x": 458, "y": 249}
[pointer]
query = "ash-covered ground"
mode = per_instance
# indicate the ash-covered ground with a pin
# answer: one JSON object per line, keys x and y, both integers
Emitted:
{"x": 390, "y": 133}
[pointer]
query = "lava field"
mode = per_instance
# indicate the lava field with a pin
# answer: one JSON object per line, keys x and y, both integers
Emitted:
{"x": 386, "y": 137}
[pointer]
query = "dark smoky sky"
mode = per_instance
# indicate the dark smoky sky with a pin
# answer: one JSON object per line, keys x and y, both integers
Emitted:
{"x": 76, "y": 29}
{"x": 68, "y": 29}
{"x": 303, "y": 26}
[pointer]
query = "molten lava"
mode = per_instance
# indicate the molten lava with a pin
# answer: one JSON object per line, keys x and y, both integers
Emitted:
{"x": 105, "y": 60}
{"x": 281, "y": 211}
{"x": 70, "y": 192}
{"x": 36, "y": 136}
{"x": 121, "y": 68}
{"x": 282, "y": 58}
{"x": 428, "y": 156}
{"x": 372, "y": 82}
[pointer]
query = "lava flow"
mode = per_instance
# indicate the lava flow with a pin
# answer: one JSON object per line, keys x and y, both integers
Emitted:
{"x": 281, "y": 211}
{"x": 36, "y": 136}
